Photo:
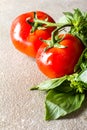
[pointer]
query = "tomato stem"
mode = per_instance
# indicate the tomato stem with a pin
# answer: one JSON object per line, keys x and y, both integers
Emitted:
{"x": 56, "y": 32}
{"x": 50, "y": 24}
{"x": 55, "y": 39}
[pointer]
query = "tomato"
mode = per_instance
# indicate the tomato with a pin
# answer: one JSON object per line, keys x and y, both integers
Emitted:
{"x": 23, "y": 39}
{"x": 57, "y": 62}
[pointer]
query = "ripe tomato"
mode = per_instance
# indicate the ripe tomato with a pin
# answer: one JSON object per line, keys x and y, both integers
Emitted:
{"x": 23, "y": 39}
{"x": 57, "y": 62}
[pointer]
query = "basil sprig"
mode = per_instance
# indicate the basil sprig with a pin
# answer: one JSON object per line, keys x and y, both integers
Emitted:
{"x": 63, "y": 95}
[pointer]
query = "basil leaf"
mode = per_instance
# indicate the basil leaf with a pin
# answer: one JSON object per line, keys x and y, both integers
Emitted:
{"x": 50, "y": 84}
{"x": 78, "y": 20}
{"x": 64, "y": 87}
{"x": 60, "y": 104}
{"x": 82, "y": 62}
{"x": 83, "y": 76}
{"x": 68, "y": 16}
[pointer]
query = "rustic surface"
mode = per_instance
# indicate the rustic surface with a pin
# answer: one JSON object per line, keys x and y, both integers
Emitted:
{"x": 20, "y": 108}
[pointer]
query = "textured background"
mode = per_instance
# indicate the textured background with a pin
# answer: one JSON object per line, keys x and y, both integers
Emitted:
{"x": 20, "y": 108}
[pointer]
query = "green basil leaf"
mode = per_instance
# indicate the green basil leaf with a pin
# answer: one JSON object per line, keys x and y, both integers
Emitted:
{"x": 82, "y": 62}
{"x": 78, "y": 20}
{"x": 83, "y": 76}
{"x": 50, "y": 84}
{"x": 61, "y": 104}
{"x": 68, "y": 16}
{"x": 64, "y": 87}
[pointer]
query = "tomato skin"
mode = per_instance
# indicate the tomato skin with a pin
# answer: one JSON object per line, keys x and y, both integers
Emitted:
{"x": 57, "y": 62}
{"x": 21, "y": 35}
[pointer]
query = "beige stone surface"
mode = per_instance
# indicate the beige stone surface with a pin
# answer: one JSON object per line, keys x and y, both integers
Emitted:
{"x": 20, "y": 108}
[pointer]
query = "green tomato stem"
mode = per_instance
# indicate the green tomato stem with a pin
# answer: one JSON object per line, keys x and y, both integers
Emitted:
{"x": 54, "y": 42}
{"x": 48, "y": 24}
{"x": 56, "y": 31}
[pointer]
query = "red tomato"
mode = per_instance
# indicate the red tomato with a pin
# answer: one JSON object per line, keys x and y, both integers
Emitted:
{"x": 57, "y": 62}
{"x": 23, "y": 39}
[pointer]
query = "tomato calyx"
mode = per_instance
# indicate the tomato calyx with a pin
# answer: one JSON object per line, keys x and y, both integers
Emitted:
{"x": 35, "y": 24}
{"x": 54, "y": 42}
{"x": 55, "y": 38}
